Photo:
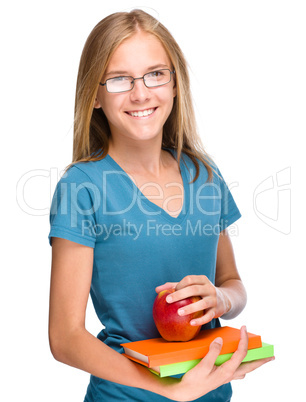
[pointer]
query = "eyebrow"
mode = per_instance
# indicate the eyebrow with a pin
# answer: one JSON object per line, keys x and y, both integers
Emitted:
{"x": 151, "y": 68}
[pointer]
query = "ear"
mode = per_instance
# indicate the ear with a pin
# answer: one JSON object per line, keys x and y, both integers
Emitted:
{"x": 174, "y": 91}
{"x": 97, "y": 104}
{"x": 174, "y": 87}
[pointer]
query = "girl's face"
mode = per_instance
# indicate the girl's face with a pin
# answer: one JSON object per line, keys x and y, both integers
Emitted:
{"x": 136, "y": 56}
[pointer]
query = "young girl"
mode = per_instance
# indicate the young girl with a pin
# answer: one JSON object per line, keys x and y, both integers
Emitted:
{"x": 142, "y": 208}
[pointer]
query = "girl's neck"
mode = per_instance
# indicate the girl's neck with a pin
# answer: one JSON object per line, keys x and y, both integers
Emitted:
{"x": 140, "y": 159}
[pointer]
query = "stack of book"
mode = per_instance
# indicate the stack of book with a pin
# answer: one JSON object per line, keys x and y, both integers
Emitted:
{"x": 172, "y": 358}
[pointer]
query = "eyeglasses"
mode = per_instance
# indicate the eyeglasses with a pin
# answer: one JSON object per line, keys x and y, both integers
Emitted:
{"x": 126, "y": 83}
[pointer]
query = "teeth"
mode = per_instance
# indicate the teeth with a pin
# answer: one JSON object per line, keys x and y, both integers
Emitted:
{"x": 142, "y": 113}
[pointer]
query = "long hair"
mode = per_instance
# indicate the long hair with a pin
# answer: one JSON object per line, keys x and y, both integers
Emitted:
{"x": 91, "y": 129}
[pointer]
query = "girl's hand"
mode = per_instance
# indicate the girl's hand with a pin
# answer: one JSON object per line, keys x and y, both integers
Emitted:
{"x": 205, "y": 377}
{"x": 214, "y": 301}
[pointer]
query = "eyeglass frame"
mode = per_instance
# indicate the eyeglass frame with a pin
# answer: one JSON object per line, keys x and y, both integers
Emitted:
{"x": 138, "y": 78}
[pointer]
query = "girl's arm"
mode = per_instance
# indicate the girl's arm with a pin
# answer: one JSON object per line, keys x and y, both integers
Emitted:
{"x": 228, "y": 281}
{"x": 72, "y": 344}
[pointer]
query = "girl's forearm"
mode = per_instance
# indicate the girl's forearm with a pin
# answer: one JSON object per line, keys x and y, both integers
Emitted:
{"x": 82, "y": 350}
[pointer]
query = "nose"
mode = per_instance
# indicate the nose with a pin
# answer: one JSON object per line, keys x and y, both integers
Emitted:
{"x": 140, "y": 92}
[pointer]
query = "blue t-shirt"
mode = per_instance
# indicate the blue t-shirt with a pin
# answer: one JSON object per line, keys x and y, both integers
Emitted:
{"x": 138, "y": 246}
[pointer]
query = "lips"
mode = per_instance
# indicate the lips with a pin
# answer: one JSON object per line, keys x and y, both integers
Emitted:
{"x": 141, "y": 113}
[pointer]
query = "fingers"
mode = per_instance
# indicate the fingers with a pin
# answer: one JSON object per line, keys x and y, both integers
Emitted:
{"x": 214, "y": 351}
{"x": 207, "y": 365}
{"x": 229, "y": 369}
{"x": 203, "y": 304}
{"x": 206, "y": 376}
{"x": 201, "y": 379}
{"x": 192, "y": 280}
{"x": 201, "y": 286}
{"x": 246, "y": 368}
{"x": 242, "y": 350}
{"x": 190, "y": 286}
{"x": 206, "y": 317}
{"x": 234, "y": 369}
{"x": 167, "y": 285}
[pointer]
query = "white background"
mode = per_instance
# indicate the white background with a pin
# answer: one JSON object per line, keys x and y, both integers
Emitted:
{"x": 247, "y": 65}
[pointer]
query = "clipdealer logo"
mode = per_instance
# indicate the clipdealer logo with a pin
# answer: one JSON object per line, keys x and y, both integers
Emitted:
{"x": 271, "y": 197}
{"x": 272, "y": 201}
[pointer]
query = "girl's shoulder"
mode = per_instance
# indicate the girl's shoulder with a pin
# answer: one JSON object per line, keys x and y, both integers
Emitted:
{"x": 86, "y": 171}
{"x": 203, "y": 172}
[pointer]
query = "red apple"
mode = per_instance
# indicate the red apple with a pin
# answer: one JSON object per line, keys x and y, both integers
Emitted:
{"x": 170, "y": 325}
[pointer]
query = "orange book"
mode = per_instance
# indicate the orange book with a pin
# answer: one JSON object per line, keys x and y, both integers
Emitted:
{"x": 158, "y": 352}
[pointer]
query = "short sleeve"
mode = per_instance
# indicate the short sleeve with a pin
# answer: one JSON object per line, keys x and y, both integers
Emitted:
{"x": 74, "y": 207}
{"x": 229, "y": 210}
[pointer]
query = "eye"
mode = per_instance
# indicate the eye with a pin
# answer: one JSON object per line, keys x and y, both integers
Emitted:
{"x": 156, "y": 74}
{"x": 120, "y": 79}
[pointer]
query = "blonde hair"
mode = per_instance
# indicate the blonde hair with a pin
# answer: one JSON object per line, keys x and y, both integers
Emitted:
{"x": 91, "y": 129}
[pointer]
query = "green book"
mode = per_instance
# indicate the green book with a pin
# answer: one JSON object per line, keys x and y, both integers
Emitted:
{"x": 167, "y": 370}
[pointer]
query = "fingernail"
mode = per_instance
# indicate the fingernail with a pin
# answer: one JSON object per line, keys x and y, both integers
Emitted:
{"x": 169, "y": 299}
{"x": 180, "y": 311}
{"x": 193, "y": 322}
{"x": 219, "y": 341}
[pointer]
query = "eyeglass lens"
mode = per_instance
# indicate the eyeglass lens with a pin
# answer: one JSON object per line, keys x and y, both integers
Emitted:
{"x": 152, "y": 79}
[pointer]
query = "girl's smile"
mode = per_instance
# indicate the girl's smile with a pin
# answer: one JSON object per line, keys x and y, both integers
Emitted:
{"x": 142, "y": 113}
